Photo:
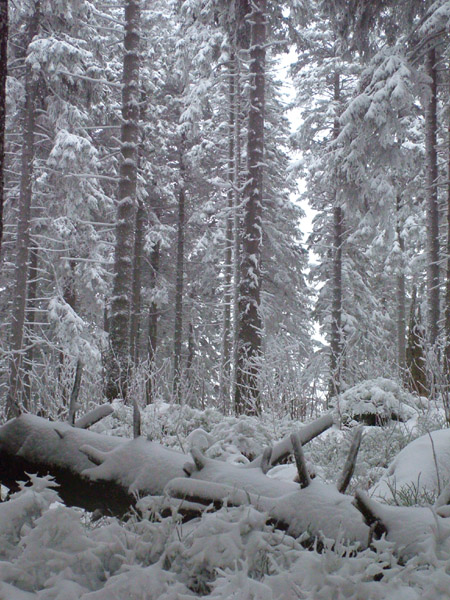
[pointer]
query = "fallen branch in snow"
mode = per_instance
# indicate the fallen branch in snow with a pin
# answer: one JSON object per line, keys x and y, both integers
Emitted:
{"x": 108, "y": 473}
{"x": 350, "y": 463}
{"x": 94, "y": 416}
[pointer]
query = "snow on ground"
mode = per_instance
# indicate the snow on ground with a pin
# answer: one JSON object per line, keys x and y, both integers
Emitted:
{"x": 51, "y": 552}
{"x": 420, "y": 470}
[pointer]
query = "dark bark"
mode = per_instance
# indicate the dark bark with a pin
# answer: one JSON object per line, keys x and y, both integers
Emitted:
{"x": 70, "y": 297}
{"x": 432, "y": 202}
{"x": 415, "y": 355}
{"x": 250, "y": 324}
{"x": 190, "y": 349}
{"x": 118, "y": 371}
{"x": 447, "y": 275}
{"x": 23, "y": 230}
{"x": 225, "y": 371}
{"x": 350, "y": 463}
{"x": 336, "y": 306}
{"x": 3, "y": 75}
{"x": 135, "y": 322}
{"x": 236, "y": 227}
{"x": 401, "y": 303}
{"x": 75, "y": 392}
{"x": 302, "y": 470}
{"x": 30, "y": 316}
{"x": 153, "y": 315}
{"x": 179, "y": 285}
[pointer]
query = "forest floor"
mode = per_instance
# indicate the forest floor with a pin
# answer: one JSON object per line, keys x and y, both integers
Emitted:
{"x": 51, "y": 552}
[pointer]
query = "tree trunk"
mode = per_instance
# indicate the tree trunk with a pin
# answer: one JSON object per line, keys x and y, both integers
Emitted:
{"x": 123, "y": 263}
{"x": 71, "y": 454}
{"x": 336, "y": 307}
{"x": 447, "y": 280}
{"x": 23, "y": 230}
{"x": 179, "y": 286}
{"x": 401, "y": 303}
{"x": 250, "y": 324}
{"x": 153, "y": 315}
{"x": 236, "y": 229}
{"x": 415, "y": 355}
{"x": 70, "y": 297}
{"x": 30, "y": 319}
{"x": 225, "y": 371}
{"x": 432, "y": 202}
{"x": 137, "y": 284}
{"x": 3, "y": 75}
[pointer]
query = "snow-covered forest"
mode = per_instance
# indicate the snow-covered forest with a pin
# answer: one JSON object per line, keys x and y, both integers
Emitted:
{"x": 225, "y": 299}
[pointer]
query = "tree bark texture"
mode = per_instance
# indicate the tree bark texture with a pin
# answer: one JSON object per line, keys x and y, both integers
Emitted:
{"x": 23, "y": 230}
{"x": 225, "y": 371}
{"x": 30, "y": 317}
{"x": 3, "y": 76}
{"x": 179, "y": 285}
{"x": 250, "y": 324}
{"x": 125, "y": 224}
{"x": 401, "y": 303}
{"x": 153, "y": 315}
{"x": 336, "y": 302}
{"x": 415, "y": 355}
{"x": 432, "y": 201}
{"x": 447, "y": 275}
{"x": 236, "y": 227}
{"x": 135, "y": 324}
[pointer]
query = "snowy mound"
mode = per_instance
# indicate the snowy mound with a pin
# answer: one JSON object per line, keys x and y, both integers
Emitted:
{"x": 419, "y": 471}
{"x": 376, "y": 401}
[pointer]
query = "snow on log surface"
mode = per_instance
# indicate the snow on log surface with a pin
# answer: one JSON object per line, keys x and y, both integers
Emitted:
{"x": 121, "y": 469}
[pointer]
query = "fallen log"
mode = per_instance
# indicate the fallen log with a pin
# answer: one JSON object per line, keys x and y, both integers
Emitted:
{"x": 109, "y": 473}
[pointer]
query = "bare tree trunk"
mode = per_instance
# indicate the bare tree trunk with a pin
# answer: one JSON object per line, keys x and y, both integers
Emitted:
{"x": 30, "y": 319}
{"x": 23, "y": 230}
{"x": 236, "y": 228}
{"x": 401, "y": 303}
{"x": 336, "y": 308}
{"x": 3, "y": 76}
{"x": 137, "y": 284}
{"x": 224, "y": 391}
{"x": 190, "y": 350}
{"x": 123, "y": 270}
{"x": 447, "y": 281}
{"x": 73, "y": 404}
{"x": 432, "y": 202}
{"x": 70, "y": 297}
{"x": 415, "y": 355}
{"x": 250, "y": 324}
{"x": 152, "y": 324}
{"x": 179, "y": 286}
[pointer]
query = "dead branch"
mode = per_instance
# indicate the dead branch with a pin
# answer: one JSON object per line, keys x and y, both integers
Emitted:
{"x": 94, "y": 416}
{"x": 302, "y": 469}
{"x": 350, "y": 463}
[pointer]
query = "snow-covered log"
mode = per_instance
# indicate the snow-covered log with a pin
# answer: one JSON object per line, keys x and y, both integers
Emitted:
{"x": 108, "y": 473}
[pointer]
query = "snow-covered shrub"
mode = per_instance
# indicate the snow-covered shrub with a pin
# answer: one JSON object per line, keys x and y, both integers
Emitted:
{"x": 22, "y": 510}
{"x": 246, "y": 436}
{"x": 222, "y": 540}
{"x": 376, "y": 401}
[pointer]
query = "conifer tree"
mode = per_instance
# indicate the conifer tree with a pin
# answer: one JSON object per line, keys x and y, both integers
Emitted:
{"x": 250, "y": 322}
{"x": 123, "y": 274}
{"x": 3, "y": 75}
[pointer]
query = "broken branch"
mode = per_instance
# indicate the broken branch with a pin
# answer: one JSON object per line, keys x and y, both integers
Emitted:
{"x": 350, "y": 463}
